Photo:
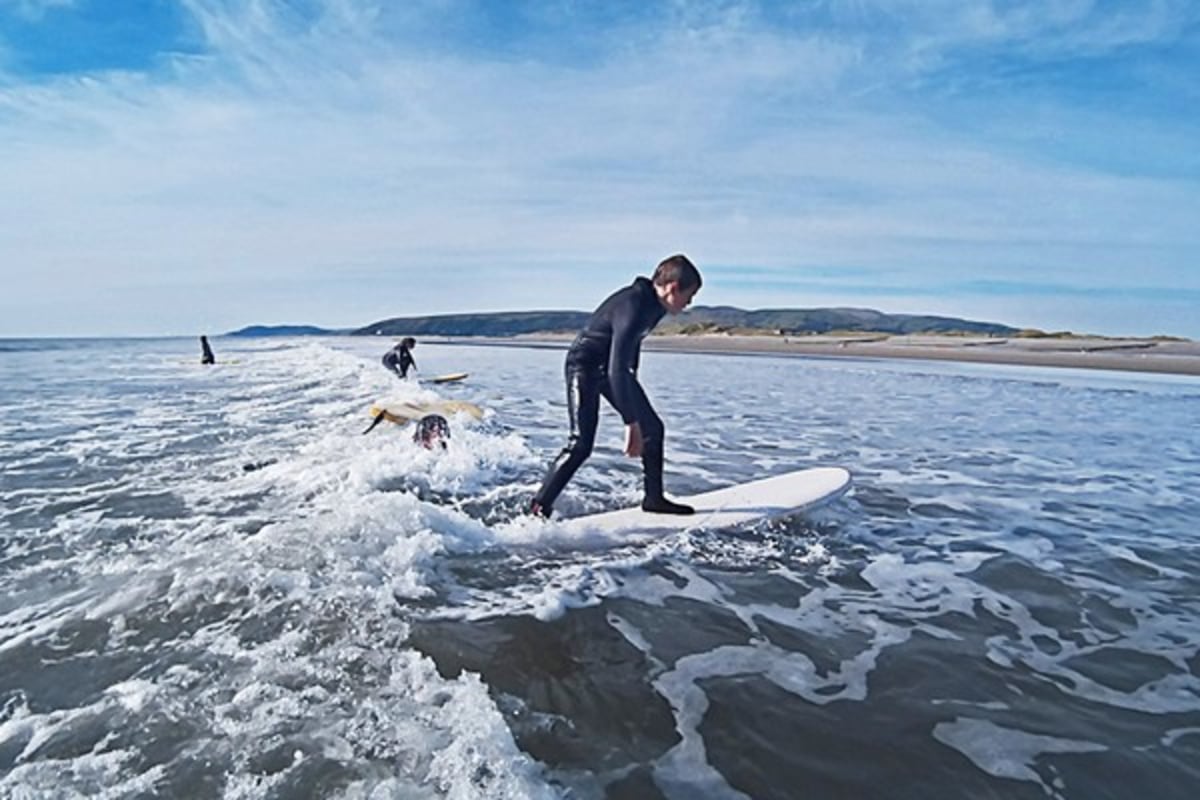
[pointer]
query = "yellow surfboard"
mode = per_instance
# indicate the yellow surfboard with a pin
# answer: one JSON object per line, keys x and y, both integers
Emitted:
{"x": 405, "y": 412}
{"x": 453, "y": 376}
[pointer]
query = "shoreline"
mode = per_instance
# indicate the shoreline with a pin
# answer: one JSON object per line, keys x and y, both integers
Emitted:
{"x": 1171, "y": 357}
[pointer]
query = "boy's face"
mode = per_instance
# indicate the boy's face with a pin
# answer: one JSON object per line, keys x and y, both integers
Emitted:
{"x": 677, "y": 299}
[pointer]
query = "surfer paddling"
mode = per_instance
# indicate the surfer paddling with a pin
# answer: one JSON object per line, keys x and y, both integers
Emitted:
{"x": 431, "y": 430}
{"x": 603, "y": 360}
{"x": 399, "y": 359}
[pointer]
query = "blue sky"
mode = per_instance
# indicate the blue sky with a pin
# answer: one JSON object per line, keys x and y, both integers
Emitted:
{"x": 187, "y": 166}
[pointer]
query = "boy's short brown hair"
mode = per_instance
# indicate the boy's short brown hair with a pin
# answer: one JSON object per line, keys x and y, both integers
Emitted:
{"x": 677, "y": 268}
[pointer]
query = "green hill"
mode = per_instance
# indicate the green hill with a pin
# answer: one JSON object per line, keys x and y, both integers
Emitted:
{"x": 701, "y": 318}
{"x": 283, "y": 330}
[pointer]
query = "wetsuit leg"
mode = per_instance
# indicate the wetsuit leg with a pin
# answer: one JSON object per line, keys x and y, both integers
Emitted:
{"x": 652, "y": 445}
{"x": 653, "y": 436}
{"x": 584, "y": 388}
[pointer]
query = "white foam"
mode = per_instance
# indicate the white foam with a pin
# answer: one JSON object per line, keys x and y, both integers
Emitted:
{"x": 1171, "y": 737}
{"x": 1004, "y": 752}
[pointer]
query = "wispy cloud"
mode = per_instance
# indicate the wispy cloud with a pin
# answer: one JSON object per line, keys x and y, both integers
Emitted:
{"x": 338, "y": 162}
{"x": 33, "y": 9}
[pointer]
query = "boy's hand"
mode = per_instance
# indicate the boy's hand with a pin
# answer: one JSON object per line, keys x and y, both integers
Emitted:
{"x": 633, "y": 440}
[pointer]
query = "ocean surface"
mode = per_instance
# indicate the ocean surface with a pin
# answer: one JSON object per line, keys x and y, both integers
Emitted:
{"x": 212, "y": 584}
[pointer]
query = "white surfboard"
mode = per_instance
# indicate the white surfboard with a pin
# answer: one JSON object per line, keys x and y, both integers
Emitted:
{"x": 778, "y": 496}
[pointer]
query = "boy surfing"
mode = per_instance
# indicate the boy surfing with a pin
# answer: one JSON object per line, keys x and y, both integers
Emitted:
{"x": 603, "y": 361}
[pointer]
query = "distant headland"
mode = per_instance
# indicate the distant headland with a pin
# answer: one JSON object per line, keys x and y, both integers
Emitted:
{"x": 702, "y": 319}
{"x": 285, "y": 330}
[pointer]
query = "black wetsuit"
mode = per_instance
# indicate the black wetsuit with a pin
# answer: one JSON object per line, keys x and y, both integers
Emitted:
{"x": 398, "y": 360}
{"x": 603, "y": 360}
{"x": 206, "y": 353}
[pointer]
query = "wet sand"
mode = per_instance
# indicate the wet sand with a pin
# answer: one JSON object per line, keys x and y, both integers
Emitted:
{"x": 1178, "y": 357}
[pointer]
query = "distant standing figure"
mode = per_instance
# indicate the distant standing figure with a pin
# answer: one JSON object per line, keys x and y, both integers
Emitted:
{"x": 399, "y": 359}
{"x": 206, "y": 353}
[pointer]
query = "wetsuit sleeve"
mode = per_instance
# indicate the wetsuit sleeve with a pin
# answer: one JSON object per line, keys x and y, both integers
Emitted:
{"x": 623, "y": 359}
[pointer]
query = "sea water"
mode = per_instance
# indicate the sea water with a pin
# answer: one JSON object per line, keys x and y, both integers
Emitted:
{"x": 212, "y": 584}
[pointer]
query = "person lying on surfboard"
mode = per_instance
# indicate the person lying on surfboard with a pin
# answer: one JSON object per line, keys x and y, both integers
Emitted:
{"x": 430, "y": 430}
{"x": 603, "y": 360}
{"x": 399, "y": 359}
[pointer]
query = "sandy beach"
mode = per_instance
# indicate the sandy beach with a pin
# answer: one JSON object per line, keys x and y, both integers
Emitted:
{"x": 1179, "y": 357}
